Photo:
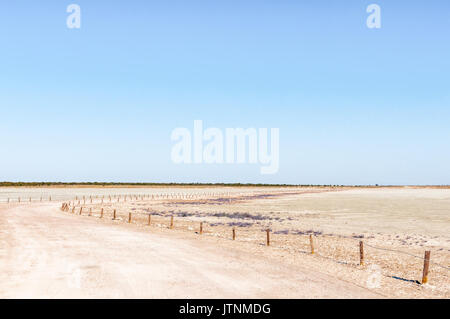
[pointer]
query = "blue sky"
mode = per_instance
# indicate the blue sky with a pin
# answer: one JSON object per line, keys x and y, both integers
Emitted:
{"x": 353, "y": 105}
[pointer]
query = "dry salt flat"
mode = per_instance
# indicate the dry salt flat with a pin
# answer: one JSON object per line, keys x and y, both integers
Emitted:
{"x": 396, "y": 225}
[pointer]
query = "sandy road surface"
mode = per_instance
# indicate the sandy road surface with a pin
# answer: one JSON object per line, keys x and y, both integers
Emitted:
{"x": 45, "y": 253}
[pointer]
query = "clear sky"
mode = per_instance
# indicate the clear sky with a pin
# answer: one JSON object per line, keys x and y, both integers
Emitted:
{"x": 354, "y": 105}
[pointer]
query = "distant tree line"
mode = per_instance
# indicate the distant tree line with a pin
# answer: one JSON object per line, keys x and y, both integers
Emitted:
{"x": 133, "y": 184}
{"x": 37, "y": 184}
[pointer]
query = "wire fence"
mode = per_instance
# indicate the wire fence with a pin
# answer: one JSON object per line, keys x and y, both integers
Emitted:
{"x": 342, "y": 250}
{"x": 12, "y": 197}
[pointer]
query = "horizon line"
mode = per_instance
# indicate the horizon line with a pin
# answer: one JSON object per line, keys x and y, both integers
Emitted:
{"x": 19, "y": 184}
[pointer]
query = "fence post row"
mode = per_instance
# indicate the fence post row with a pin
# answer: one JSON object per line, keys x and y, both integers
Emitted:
{"x": 66, "y": 207}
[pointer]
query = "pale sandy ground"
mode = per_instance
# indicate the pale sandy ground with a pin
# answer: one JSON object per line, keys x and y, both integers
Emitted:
{"x": 47, "y": 250}
{"x": 48, "y": 254}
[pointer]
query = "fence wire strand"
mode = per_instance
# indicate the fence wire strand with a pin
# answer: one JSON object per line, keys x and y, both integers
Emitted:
{"x": 409, "y": 254}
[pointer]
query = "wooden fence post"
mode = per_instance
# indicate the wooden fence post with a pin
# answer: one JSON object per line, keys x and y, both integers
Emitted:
{"x": 268, "y": 237}
{"x": 114, "y": 214}
{"x": 129, "y": 217}
{"x": 312, "y": 244}
{"x": 201, "y": 228}
{"x": 171, "y": 222}
{"x": 149, "y": 219}
{"x": 361, "y": 253}
{"x": 426, "y": 266}
{"x": 234, "y": 233}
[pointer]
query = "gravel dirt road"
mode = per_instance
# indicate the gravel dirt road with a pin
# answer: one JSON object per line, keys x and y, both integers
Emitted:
{"x": 46, "y": 253}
